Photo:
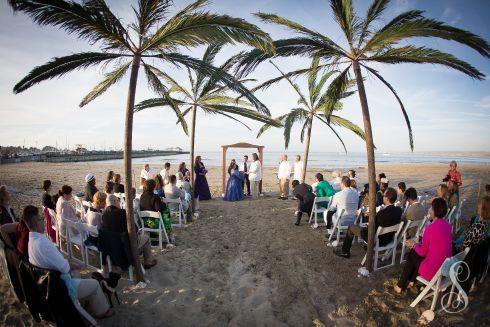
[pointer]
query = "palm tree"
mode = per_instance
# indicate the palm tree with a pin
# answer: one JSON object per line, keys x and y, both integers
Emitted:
{"x": 154, "y": 35}
{"x": 367, "y": 44}
{"x": 316, "y": 105}
{"x": 209, "y": 93}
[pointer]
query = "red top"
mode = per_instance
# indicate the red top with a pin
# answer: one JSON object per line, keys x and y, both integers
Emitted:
{"x": 22, "y": 236}
{"x": 455, "y": 176}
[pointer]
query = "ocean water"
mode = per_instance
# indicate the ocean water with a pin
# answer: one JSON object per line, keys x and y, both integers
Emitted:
{"x": 327, "y": 160}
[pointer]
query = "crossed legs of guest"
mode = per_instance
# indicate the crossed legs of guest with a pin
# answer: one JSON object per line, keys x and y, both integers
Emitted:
{"x": 354, "y": 230}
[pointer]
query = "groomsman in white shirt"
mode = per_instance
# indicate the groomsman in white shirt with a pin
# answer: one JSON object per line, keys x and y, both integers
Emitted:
{"x": 298, "y": 168}
{"x": 284, "y": 173}
{"x": 245, "y": 168}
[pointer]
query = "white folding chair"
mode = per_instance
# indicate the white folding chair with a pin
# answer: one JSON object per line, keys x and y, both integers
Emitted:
{"x": 130, "y": 269}
{"x": 452, "y": 217}
{"x": 91, "y": 231}
{"x": 458, "y": 217}
{"x": 122, "y": 199}
{"x": 317, "y": 209}
{"x": 160, "y": 228}
{"x": 439, "y": 282}
{"x": 409, "y": 226}
{"x": 390, "y": 247}
{"x": 176, "y": 210}
{"x": 342, "y": 223}
{"x": 74, "y": 237}
{"x": 79, "y": 207}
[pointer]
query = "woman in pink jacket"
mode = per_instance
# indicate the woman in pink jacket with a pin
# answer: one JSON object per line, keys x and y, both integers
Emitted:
{"x": 426, "y": 258}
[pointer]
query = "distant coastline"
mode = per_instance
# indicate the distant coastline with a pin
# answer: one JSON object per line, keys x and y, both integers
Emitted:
{"x": 87, "y": 156}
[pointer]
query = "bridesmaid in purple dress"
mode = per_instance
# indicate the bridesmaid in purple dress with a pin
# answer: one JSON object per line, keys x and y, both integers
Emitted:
{"x": 201, "y": 187}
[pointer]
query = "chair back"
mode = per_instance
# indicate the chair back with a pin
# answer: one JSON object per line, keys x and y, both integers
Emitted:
{"x": 385, "y": 230}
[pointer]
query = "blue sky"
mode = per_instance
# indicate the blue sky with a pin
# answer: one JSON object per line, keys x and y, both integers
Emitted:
{"x": 448, "y": 111}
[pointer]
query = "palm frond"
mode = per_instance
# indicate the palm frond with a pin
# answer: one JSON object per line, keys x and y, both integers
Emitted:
{"x": 211, "y": 51}
{"x": 392, "y": 89}
{"x": 296, "y": 73}
{"x": 175, "y": 86}
{"x": 344, "y": 15}
{"x": 265, "y": 127}
{"x": 312, "y": 76}
{"x": 335, "y": 91}
{"x": 334, "y": 131}
{"x": 211, "y": 111}
{"x": 150, "y": 13}
{"x": 295, "y": 115}
{"x": 303, "y": 130}
{"x": 421, "y": 55}
{"x": 92, "y": 20}
{"x": 110, "y": 79}
{"x": 294, "y": 85}
{"x": 318, "y": 88}
{"x": 243, "y": 112}
{"x": 155, "y": 102}
{"x": 60, "y": 66}
{"x": 374, "y": 11}
{"x": 347, "y": 124}
{"x": 222, "y": 99}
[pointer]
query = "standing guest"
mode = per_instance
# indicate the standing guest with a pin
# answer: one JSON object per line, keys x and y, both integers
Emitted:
{"x": 400, "y": 190}
{"x": 454, "y": 174}
{"x": 44, "y": 254}
{"x": 47, "y": 198}
{"x": 201, "y": 187}
{"x": 110, "y": 176}
{"x": 255, "y": 175}
{"x": 426, "y": 258}
{"x": 305, "y": 196}
{"x": 298, "y": 168}
{"x": 383, "y": 186}
{"x": 353, "y": 179}
{"x": 348, "y": 199}
{"x": 336, "y": 180}
{"x": 389, "y": 216}
{"x": 244, "y": 168}
{"x": 90, "y": 188}
{"x": 165, "y": 173}
{"x": 183, "y": 169}
{"x": 6, "y": 213}
{"x": 453, "y": 189}
{"x": 415, "y": 210}
{"x": 109, "y": 187}
{"x": 18, "y": 233}
{"x": 283, "y": 173}
{"x": 159, "y": 186}
{"x": 147, "y": 173}
{"x": 118, "y": 187}
{"x": 323, "y": 189}
{"x": 234, "y": 187}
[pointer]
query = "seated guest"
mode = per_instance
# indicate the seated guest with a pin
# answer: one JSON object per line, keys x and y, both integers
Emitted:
{"x": 335, "y": 181}
{"x": 94, "y": 213}
{"x": 478, "y": 229}
{"x": 114, "y": 220}
{"x": 6, "y": 213}
{"x": 118, "y": 187}
{"x": 109, "y": 187}
{"x": 453, "y": 196}
{"x": 378, "y": 180}
{"x": 173, "y": 192}
{"x": 305, "y": 196}
{"x": 18, "y": 233}
{"x": 415, "y": 210}
{"x": 400, "y": 190}
{"x": 323, "y": 189}
{"x": 183, "y": 183}
{"x": 383, "y": 185}
{"x": 159, "y": 186}
{"x": 90, "y": 188}
{"x": 426, "y": 258}
{"x": 389, "y": 216}
{"x": 364, "y": 197}
{"x": 47, "y": 198}
{"x": 44, "y": 254}
{"x": 346, "y": 199}
{"x": 149, "y": 201}
{"x": 110, "y": 176}
{"x": 353, "y": 179}
{"x": 443, "y": 192}
{"x": 65, "y": 208}
{"x": 136, "y": 201}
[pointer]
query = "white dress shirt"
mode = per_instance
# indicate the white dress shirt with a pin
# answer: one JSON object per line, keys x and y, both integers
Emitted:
{"x": 44, "y": 254}
{"x": 347, "y": 199}
{"x": 241, "y": 167}
{"x": 255, "y": 172}
{"x": 284, "y": 171}
{"x": 148, "y": 174}
{"x": 165, "y": 176}
{"x": 298, "y": 170}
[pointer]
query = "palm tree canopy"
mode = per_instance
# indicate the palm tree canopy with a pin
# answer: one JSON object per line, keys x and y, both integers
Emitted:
{"x": 157, "y": 36}
{"x": 367, "y": 43}
{"x": 316, "y": 104}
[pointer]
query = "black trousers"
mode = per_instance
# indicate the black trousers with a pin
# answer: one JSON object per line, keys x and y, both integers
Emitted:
{"x": 330, "y": 214}
{"x": 246, "y": 182}
{"x": 410, "y": 270}
{"x": 354, "y": 230}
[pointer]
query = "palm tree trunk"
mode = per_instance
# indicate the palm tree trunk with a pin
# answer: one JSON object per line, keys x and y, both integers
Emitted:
{"x": 307, "y": 148}
{"x": 193, "y": 133}
{"x": 128, "y": 147}
{"x": 371, "y": 163}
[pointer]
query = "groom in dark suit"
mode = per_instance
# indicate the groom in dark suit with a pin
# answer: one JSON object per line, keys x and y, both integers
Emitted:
{"x": 245, "y": 167}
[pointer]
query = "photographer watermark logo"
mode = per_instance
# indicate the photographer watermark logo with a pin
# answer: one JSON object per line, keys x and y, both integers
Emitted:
{"x": 456, "y": 300}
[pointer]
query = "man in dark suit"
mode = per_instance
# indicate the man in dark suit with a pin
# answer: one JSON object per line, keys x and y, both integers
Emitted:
{"x": 387, "y": 217}
{"x": 245, "y": 167}
{"x": 304, "y": 193}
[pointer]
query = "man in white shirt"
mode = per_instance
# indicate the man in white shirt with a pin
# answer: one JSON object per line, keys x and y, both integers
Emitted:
{"x": 147, "y": 173}
{"x": 165, "y": 173}
{"x": 347, "y": 199}
{"x": 298, "y": 168}
{"x": 255, "y": 175}
{"x": 283, "y": 173}
{"x": 245, "y": 168}
{"x": 336, "y": 181}
{"x": 44, "y": 254}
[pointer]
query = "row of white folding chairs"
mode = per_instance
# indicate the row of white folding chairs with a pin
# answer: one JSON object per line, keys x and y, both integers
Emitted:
{"x": 317, "y": 209}
{"x": 340, "y": 223}
{"x": 177, "y": 210}
{"x": 81, "y": 206}
{"x": 453, "y": 217}
{"x": 160, "y": 229}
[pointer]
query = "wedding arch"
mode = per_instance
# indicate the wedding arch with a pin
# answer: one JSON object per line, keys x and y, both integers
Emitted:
{"x": 242, "y": 145}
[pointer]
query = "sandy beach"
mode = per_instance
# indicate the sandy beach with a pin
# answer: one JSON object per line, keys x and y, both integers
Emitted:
{"x": 246, "y": 264}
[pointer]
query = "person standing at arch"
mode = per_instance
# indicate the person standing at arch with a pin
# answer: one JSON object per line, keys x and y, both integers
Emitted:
{"x": 255, "y": 175}
{"x": 244, "y": 167}
{"x": 298, "y": 168}
{"x": 283, "y": 174}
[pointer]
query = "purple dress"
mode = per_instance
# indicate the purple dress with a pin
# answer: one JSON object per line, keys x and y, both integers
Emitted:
{"x": 201, "y": 187}
{"x": 234, "y": 188}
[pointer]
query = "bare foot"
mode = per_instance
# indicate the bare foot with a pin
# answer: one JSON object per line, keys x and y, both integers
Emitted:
{"x": 410, "y": 285}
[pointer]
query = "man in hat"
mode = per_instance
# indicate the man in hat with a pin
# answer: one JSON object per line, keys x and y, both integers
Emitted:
{"x": 383, "y": 186}
{"x": 90, "y": 188}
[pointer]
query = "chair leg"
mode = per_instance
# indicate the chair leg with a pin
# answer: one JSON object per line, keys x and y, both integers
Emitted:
{"x": 375, "y": 260}
{"x": 436, "y": 295}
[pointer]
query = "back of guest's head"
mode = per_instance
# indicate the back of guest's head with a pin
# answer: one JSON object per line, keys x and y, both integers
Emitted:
{"x": 112, "y": 200}
{"x": 173, "y": 179}
{"x": 380, "y": 176}
{"x": 149, "y": 185}
{"x": 345, "y": 181}
{"x": 109, "y": 187}
{"x": 30, "y": 215}
{"x": 65, "y": 190}
{"x": 167, "y": 165}
{"x": 411, "y": 194}
{"x": 117, "y": 178}
{"x": 484, "y": 207}
{"x": 100, "y": 199}
{"x": 295, "y": 183}
{"x": 352, "y": 173}
{"x": 158, "y": 181}
{"x": 402, "y": 186}
{"x": 180, "y": 177}
{"x": 335, "y": 174}
{"x": 443, "y": 190}
{"x": 147, "y": 167}
{"x": 319, "y": 177}
{"x": 439, "y": 207}
{"x": 110, "y": 175}
{"x": 365, "y": 190}
{"x": 182, "y": 166}
{"x": 46, "y": 184}
{"x": 90, "y": 178}
{"x": 390, "y": 194}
